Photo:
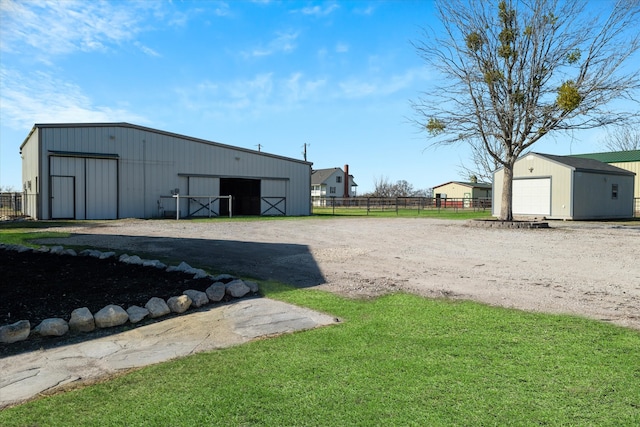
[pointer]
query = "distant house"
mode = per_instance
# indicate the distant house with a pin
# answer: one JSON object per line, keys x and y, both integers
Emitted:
{"x": 462, "y": 190}
{"x": 333, "y": 182}
{"x": 628, "y": 160}
{"x": 567, "y": 187}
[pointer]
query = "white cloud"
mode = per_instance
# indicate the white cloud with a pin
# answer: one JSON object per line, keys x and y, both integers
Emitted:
{"x": 342, "y": 48}
{"x": 365, "y": 11}
{"x": 256, "y": 96}
{"x": 284, "y": 42}
{"x": 147, "y": 50}
{"x": 357, "y": 87}
{"x": 53, "y": 28}
{"x": 39, "y": 97}
{"x": 319, "y": 10}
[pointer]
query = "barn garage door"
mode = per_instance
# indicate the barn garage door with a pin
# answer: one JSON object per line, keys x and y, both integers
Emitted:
{"x": 532, "y": 196}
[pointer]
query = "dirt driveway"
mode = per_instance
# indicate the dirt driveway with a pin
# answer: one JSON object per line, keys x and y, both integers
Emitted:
{"x": 589, "y": 269}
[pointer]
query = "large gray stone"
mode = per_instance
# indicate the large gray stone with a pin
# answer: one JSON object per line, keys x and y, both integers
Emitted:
{"x": 133, "y": 259}
{"x": 198, "y": 298}
{"x": 111, "y": 315}
{"x": 179, "y": 304}
{"x": 14, "y": 332}
{"x": 237, "y": 289}
{"x": 52, "y": 328}
{"x": 82, "y": 320}
{"x": 136, "y": 313}
{"x": 216, "y": 291}
{"x": 153, "y": 263}
{"x": 221, "y": 277}
{"x": 253, "y": 286}
{"x": 157, "y": 307}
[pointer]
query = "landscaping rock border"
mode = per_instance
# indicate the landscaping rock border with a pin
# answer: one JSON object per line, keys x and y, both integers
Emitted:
{"x": 82, "y": 320}
{"x": 495, "y": 223}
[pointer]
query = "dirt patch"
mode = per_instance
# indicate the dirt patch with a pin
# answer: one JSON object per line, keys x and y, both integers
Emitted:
{"x": 587, "y": 269}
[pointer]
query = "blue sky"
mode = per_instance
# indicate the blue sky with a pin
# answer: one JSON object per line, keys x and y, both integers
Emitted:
{"x": 337, "y": 76}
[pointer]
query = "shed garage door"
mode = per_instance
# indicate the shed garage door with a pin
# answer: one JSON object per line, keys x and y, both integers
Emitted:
{"x": 532, "y": 196}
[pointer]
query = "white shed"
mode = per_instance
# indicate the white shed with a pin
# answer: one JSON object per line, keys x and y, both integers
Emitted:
{"x": 565, "y": 187}
{"x": 120, "y": 170}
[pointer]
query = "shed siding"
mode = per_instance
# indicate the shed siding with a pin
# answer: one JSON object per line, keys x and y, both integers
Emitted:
{"x": 593, "y": 196}
{"x": 574, "y": 194}
{"x": 150, "y": 164}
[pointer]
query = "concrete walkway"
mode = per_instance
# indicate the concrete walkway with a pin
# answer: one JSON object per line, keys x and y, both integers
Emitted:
{"x": 26, "y": 375}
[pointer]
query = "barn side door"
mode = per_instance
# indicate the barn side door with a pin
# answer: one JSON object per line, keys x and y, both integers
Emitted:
{"x": 63, "y": 197}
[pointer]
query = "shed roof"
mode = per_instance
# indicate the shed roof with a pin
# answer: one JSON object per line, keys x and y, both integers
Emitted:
{"x": 483, "y": 185}
{"x": 585, "y": 165}
{"x": 613, "y": 156}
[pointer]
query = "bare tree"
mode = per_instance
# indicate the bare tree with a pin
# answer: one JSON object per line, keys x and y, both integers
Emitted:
{"x": 483, "y": 165}
{"x": 402, "y": 188}
{"x": 623, "y": 138}
{"x": 519, "y": 70}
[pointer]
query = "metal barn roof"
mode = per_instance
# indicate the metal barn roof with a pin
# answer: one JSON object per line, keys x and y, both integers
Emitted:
{"x": 613, "y": 156}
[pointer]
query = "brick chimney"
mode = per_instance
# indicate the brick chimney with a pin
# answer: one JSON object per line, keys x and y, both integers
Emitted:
{"x": 346, "y": 181}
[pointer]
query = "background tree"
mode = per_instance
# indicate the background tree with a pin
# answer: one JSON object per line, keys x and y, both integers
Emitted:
{"x": 401, "y": 188}
{"x": 624, "y": 138}
{"x": 481, "y": 164}
{"x": 516, "y": 71}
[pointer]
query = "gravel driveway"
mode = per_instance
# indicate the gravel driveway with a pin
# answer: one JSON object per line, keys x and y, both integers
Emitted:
{"x": 589, "y": 269}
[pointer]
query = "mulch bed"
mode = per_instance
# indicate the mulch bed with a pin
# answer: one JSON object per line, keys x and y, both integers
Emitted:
{"x": 36, "y": 286}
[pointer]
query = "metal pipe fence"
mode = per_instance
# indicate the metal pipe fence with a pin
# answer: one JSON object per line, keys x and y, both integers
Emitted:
{"x": 397, "y": 204}
{"x": 14, "y": 205}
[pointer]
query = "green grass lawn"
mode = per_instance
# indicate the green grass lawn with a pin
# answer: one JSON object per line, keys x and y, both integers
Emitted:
{"x": 395, "y": 360}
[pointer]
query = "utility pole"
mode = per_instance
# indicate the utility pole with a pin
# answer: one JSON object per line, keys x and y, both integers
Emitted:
{"x": 259, "y": 147}
{"x": 304, "y": 153}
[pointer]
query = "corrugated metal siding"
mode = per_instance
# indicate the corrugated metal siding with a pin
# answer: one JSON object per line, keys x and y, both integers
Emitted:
{"x": 635, "y": 168}
{"x": 31, "y": 178}
{"x": 151, "y": 164}
{"x": 453, "y": 190}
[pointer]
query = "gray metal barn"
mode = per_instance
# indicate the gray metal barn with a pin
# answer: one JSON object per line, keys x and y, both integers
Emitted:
{"x": 565, "y": 187}
{"x": 120, "y": 170}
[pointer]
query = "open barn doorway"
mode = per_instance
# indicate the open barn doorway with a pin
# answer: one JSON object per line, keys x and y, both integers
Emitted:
{"x": 246, "y": 196}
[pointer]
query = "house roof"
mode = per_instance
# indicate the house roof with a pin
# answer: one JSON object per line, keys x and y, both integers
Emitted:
{"x": 613, "y": 156}
{"x": 483, "y": 185}
{"x": 319, "y": 176}
{"x": 585, "y": 165}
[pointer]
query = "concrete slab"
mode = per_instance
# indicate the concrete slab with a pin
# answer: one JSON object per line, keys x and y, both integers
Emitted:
{"x": 26, "y": 375}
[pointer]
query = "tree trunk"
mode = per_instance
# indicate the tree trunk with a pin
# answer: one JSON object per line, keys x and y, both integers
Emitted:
{"x": 506, "y": 211}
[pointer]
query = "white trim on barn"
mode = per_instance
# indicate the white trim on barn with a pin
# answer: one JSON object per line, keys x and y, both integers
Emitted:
{"x": 120, "y": 170}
